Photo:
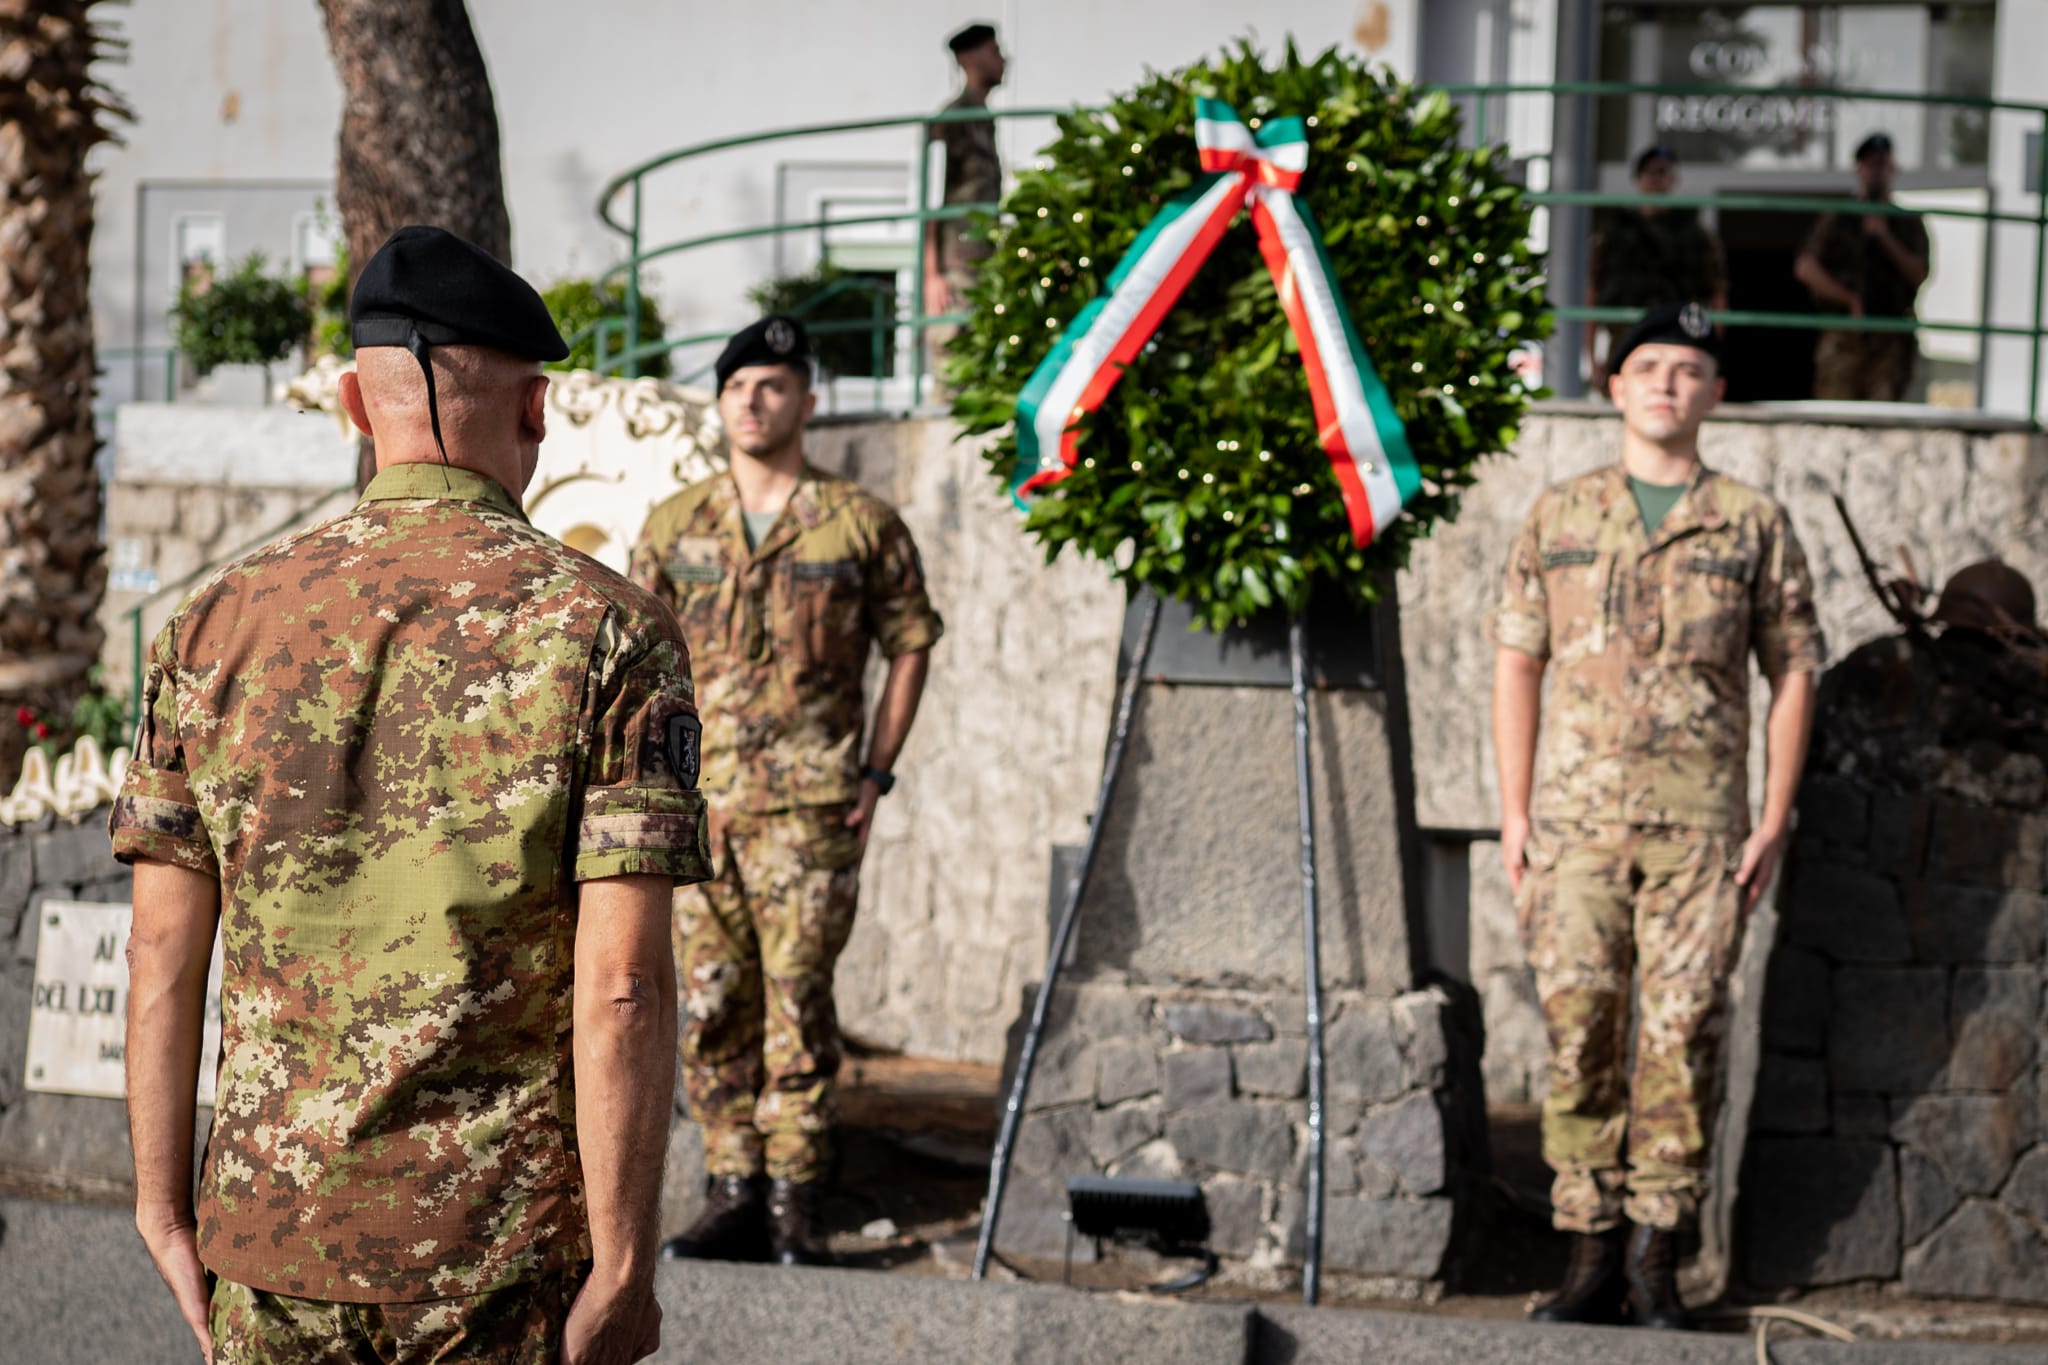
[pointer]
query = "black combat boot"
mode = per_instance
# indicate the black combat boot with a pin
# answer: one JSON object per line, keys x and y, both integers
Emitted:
{"x": 1595, "y": 1290}
{"x": 794, "y": 1235}
{"x": 731, "y": 1228}
{"x": 1653, "y": 1280}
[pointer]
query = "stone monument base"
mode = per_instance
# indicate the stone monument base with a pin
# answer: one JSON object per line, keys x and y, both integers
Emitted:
{"x": 1210, "y": 1085}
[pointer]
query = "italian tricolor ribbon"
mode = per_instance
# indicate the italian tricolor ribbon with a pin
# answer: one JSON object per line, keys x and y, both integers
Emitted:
{"x": 1355, "y": 418}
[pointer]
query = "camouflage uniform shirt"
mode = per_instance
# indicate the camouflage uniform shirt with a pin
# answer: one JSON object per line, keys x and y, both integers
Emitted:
{"x": 780, "y": 634}
{"x": 974, "y": 175}
{"x": 399, "y": 739}
{"x": 1861, "y": 265}
{"x": 1648, "y": 641}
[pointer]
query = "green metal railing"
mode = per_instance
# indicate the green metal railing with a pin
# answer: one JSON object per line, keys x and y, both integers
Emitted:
{"x": 621, "y": 349}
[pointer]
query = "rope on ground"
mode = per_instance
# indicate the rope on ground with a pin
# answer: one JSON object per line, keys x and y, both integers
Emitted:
{"x": 1764, "y": 1316}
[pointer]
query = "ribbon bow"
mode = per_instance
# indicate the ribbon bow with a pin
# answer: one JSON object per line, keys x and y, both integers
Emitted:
{"x": 1355, "y": 419}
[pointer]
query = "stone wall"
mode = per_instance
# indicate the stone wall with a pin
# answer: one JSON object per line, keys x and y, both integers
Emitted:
{"x": 53, "y": 1144}
{"x": 1897, "y": 1128}
{"x": 194, "y": 486}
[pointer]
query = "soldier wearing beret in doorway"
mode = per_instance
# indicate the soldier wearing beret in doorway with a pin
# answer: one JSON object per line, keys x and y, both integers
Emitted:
{"x": 433, "y": 776}
{"x": 784, "y": 578}
{"x": 1642, "y": 590}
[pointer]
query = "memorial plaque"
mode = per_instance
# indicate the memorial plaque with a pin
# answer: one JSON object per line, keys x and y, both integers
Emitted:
{"x": 79, "y": 1013}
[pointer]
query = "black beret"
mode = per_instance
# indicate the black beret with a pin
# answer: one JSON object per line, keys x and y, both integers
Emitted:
{"x": 971, "y": 37}
{"x": 1874, "y": 145}
{"x": 1656, "y": 151}
{"x": 775, "y": 340}
{"x": 1669, "y": 324}
{"x": 428, "y": 281}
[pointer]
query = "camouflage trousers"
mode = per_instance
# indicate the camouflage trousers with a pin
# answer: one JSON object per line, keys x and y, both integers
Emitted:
{"x": 1601, "y": 903}
{"x": 755, "y": 950}
{"x": 520, "y": 1324}
{"x": 1864, "y": 366}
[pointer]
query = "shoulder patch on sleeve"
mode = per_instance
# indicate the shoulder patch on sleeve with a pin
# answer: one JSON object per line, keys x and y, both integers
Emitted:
{"x": 685, "y": 748}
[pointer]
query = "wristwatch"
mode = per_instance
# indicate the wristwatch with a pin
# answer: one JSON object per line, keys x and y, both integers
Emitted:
{"x": 883, "y": 781}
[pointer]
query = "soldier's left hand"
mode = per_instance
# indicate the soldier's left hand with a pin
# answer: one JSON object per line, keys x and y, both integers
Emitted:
{"x": 861, "y": 819}
{"x": 1760, "y": 854}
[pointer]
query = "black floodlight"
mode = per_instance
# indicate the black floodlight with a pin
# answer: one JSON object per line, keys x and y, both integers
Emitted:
{"x": 1169, "y": 1216}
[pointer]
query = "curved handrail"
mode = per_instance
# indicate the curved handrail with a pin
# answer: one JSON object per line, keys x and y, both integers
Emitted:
{"x": 638, "y": 254}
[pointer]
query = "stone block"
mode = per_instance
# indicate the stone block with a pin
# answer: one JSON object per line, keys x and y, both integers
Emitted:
{"x": 1034, "y": 1221}
{"x": 1844, "y": 913}
{"x": 1207, "y": 1022}
{"x": 1115, "y": 1133}
{"x": 17, "y": 876}
{"x": 1983, "y": 846}
{"x": 1834, "y": 810}
{"x": 1951, "y": 923}
{"x": 1419, "y": 1023}
{"x": 1362, "y": 1054}
{"x": 1237, "y": 1222}
{"x": 1925, "y": 1196}
{"x": 1065, "y": 1073}
{"x": 1156, "y": 1160}
{"x": 1982, "y": 1252}
{"x": 1197, "y": 1076}
{"x": 1791, "y": 1095}
{"x": 1408, "y": 1139}
{"x": 1125, "y": 1071}
{"x": 71, "y": 854}
{"x": 1898, "y": 834}
{"x": 1242, "y": 1136}
{"x": 1888, "y": 1030}
{"x": 1797, "y": 1001}
{"x": 1819, "y": 1211}
{"x": 2027, "y": 1191}
{"x": 1278, "y": 1069}
{"x": 1054, "y": 1143}
{"x": 1098, "y": 1010}
{"x": 1862, "y": 1116}
{"x": 1993, "y": 1013}
{"x": 1973, "y": 1138}
{"x": 1373, "y": 1180}
{"x": 1398, "y": 1237}
{"x": 1190, "y": 888}
{"x": 1340, "y": 1166}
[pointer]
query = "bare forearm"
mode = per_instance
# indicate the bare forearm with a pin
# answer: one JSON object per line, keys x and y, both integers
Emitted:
{"x": 170, "y": 943}
{"x": 1811, "y": 274}
{"x": 624, "y": 1059}
{"x": 1517, "y": 706}
{"x": 898, "y": 707}
{"x": 1786, "y": 733}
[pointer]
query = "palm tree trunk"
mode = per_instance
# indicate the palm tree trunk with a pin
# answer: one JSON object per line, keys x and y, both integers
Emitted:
{"x": 52, "y": 564}
{"x": 419, "y": 130}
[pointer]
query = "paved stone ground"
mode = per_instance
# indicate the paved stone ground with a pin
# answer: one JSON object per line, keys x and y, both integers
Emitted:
{"x": 76, "y": 1286}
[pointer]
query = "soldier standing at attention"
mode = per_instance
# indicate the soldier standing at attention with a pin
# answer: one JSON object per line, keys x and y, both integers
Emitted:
{"x": 1643, "y": 588}
{"x": 783, "y": 576}
{"x": 1867, "y": 265}
{"x": 433, "y": 775}
{"x": 974, "y": 174}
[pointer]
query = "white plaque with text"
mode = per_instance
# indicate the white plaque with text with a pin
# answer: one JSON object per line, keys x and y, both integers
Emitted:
{"x": 78, "y": 1017}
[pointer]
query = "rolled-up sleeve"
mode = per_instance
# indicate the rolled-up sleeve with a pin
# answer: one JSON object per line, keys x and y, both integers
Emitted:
{"x": 155, "y": 816}
{"x": 899, "y": 609}
{"x": 641, "y": 810}
{"x": 1520, "y": 620}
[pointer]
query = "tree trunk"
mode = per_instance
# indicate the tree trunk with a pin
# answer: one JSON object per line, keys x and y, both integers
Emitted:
{"x": 419, "y": 130}
{"x": 53, "y": 571}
